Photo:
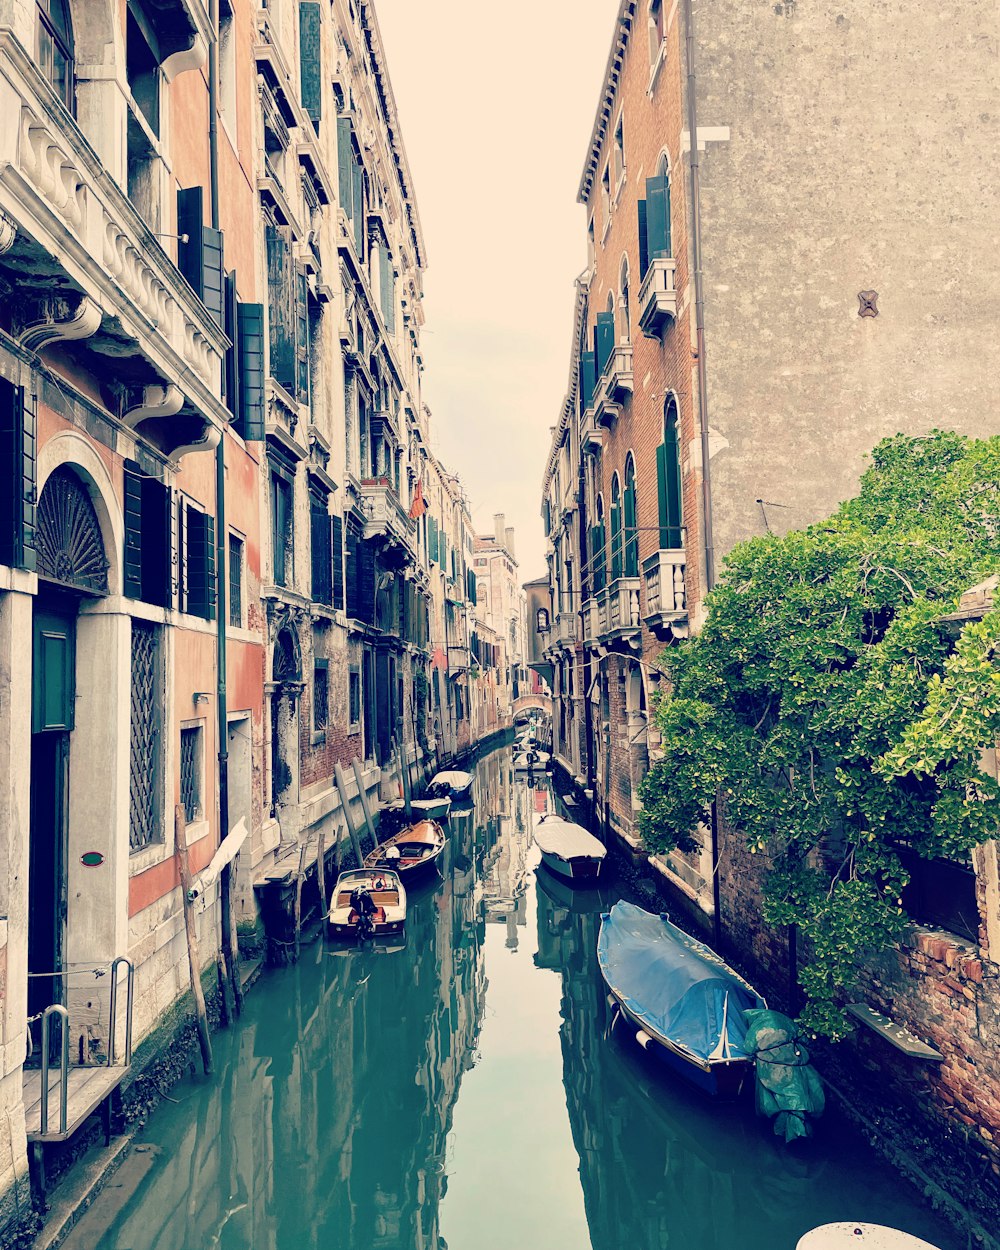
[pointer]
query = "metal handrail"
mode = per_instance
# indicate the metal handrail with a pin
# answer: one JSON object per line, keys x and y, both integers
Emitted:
{"x": 130, "y": 983}
{"x": 51, "y": 1010}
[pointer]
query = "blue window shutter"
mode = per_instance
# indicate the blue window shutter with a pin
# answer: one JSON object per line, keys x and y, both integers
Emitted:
{"x": 17, "y": 478}
{"x": 604, "y": 340}
{"x": 311, "y": 60}
{"x": 250, "y": 337}
{"x": 658, "y": 217}
{"x": 643, "y": 238}
{"x": 345, "y": 163}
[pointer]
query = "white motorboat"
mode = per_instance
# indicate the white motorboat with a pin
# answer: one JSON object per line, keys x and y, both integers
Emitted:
{"x": 531, "y": 761}
{"x": 435, "y": 808}
{"x": 367, "y": 902}
{"x": 863, "y": 1236}
{"x": 454, "y": 783}
{"x": 569, "y": 850}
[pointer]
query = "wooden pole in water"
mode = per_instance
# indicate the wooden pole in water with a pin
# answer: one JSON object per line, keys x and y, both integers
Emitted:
{"x": 345, "y": 803}
{"x": 365, "y": 805}
{"x": 404, "y": 768}
{"x": 180, "y": 847}
{"x": 321, "y": 872}
{"x": 299, "y": 877}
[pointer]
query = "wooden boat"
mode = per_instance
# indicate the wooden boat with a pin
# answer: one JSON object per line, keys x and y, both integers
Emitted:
{"x": 410, "y": 850}
{"x": 569, "y": 850}
{"x": 434, "y": 808}
{"x": 455, "y": 783}
{"x": 387, "y": 897}
{"x": 687, "y": 1004}
{"x": 863, "y": 1236}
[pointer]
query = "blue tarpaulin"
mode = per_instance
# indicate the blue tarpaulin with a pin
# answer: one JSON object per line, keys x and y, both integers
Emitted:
{"x": 673, "y": 982}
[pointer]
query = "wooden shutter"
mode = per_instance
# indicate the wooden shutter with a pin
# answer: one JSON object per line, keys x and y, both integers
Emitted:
{"x": 156, "y": 544}
{"x": 586, "y": 380}
{"x": 353, "y": 573}
{"x": 668, "y": 489}
{"x": 358, "y": 196}
{"x": 17, "y": 478}
{"x": 643, "y": 238}
{"x": 301, "y": 338}
{"x": 387, "y": 288}
{"x": 631, "y": 533}
{"x": 599, "y": 556}
{"x": 200, "y": 258}
{"x": 337, "y": 553}
{"x": 212, "y": 289}
{"x": 133, "y": 531}
{"x": 616, "y": 542}
{"x": 200, "y": 564}
{"x": 280, "y": 310}
{"x": 231, "y": 364}
{"x": 250, "y": 339}
{"x": 311, "y": 60}
{"x": 345, "y": 164}
{"x": 432, "y": 539}
{"x": 658, "y": 217}
{"x": 322, "y": 560}
{"x": 604, "y": 340}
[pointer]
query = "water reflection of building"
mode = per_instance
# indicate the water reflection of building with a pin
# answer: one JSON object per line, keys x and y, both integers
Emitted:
{"x": 329, "y": 1123}
{"x": 507, "y": 865}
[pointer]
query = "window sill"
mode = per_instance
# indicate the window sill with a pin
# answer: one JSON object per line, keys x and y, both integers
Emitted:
{"x": 654, "y": 73}
{"x": 317, "y": 737}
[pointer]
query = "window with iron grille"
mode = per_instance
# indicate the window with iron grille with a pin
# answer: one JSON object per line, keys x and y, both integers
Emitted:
{"x": 235, "y": 580}
{"x": 321, "y": 696}
{"x": 145, "y": 736}
{"x": 191, "y": 773}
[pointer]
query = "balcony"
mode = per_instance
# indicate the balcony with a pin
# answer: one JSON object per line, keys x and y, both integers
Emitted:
{"x": 385, "y": 517}
{"x": 591, "y": 434}
{"x": 666, "y": 596}
{"x": 614, "y": 386}
{"x": 87, "y": 268}
{"x": 565, "y": 632}
{"x": 620, "y": 614}
{"x": 658, "y": 297}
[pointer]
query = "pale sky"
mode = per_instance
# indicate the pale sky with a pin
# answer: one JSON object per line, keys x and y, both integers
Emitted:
{"x": 496, "y": 104}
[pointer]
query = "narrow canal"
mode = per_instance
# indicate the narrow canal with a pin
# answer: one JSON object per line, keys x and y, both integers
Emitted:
{"x": 461, "y": 1093}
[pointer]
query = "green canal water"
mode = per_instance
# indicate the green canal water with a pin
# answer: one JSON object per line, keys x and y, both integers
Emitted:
{"x": 461, "y": 1093}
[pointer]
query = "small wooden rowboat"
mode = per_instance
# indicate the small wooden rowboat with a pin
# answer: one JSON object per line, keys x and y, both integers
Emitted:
{"x": 410, "y": 850}
{"x": 385, "y": 904}
{"x": 686, "y": 1004}
{"x": 435, "y": 808}
{"x": 455, "y": 783}
{"x": 862, "y": 1236}
{"x": 569, "y": 850}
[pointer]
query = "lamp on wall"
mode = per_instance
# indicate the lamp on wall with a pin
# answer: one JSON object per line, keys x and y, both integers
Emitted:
{"x": 200, "y": 696}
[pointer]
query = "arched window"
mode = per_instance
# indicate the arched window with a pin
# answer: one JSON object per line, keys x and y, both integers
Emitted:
{"x": 668, "y": 480}
{"x": 54, "y": 50}
{"x": 625, "y": 325}
{"x": 598, "y": 556}
{"x": 616, "y": 528}
{"x": 630, "y": 527}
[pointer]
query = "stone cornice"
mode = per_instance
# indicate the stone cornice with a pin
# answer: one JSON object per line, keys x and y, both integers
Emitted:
{"x": 569, "y": 403}
{"x": 605, "y": 109}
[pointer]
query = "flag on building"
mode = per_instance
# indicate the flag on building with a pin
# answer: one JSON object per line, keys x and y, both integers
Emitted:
{"x": 419, "y": 505}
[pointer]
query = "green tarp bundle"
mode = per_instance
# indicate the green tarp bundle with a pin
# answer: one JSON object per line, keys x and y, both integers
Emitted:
{"x": 788, "y": 1089}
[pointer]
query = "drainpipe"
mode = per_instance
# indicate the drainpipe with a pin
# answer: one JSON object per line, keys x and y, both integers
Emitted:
{"x": 230, "y": 942}
{"x": 708, "y": 529}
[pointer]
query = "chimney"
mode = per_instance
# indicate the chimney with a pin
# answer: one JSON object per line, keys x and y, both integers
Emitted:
{"x": 499, "y": 522}
{"x": 510, "y": 540}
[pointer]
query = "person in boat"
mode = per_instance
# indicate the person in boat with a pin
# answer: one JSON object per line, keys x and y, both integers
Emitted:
{"x": 362, "y": 902}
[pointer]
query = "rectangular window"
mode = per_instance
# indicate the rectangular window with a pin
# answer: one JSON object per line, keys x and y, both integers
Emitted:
{"x": 227, "y": 67}
{"x": 354, "y": 697}
{"x": 281, "y": 309}
{"x": 147, "y": 537}
{"x": 321, "y": 696}
{"x": 145, "y": 737}
{"x": 619, "y": 151}
{"x": 657, "y": 30}
{"x": 192, "y": 773}
{"x": 281, "y": 529}
{"x": 320, "y": 539}
{"x": 606, "y": 194}
{"x": 198, "y": 586}
{"x": 235, "y": 581}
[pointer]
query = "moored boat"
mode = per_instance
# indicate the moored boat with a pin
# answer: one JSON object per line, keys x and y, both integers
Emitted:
{"x": 863, "y": 1236}
{"x": 569, "y": 850}
{"x": 687, "y": 1004}
{"x": 410, "y": 850}
{"x": 452, "y": 782}
{"x": 367, "y": 902}
{"x": 531, "y": 761}
{"x": 436, "y": 807}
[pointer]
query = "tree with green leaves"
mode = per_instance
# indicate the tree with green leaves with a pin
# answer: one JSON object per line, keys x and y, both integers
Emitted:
{"x": 830, "y": 709}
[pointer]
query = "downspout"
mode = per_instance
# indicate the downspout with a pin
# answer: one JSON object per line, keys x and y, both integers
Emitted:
{"x": 230, "y": 941}
{"x": 708, "y": 528}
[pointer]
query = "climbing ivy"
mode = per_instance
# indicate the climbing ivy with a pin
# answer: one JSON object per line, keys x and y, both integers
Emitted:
{"x": 835, "y": 714}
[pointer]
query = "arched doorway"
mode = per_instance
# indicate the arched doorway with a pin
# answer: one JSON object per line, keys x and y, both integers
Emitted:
{"x": 72, "y": 571}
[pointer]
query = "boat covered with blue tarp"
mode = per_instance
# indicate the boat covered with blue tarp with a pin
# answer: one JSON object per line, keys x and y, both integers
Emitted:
{"x": 688, "y": 1005}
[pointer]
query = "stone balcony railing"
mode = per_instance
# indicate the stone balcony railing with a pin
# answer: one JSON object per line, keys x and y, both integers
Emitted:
{"x": 565, "y": 631}
{"x": 620, "y": 615}
{"x": 385, "y": 515}
{"x": 591, "y": 433}
{"x": 658, "y": 297}
{"x": 666, "y": 595}
{"x": 88, "y": 266}
{"x": 614, "y": 386}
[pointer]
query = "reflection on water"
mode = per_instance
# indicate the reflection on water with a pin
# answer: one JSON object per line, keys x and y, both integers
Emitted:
{"x": 461, "y": 1095}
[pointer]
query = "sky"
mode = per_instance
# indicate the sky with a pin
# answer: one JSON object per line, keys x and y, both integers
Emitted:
{"x": 496, "y": 104}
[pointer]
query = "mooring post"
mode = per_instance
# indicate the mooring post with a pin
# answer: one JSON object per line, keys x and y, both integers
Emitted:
{"x": 345, "y": 801}
{"x": 180, "y": 841}
{"x": 365, "y": 805}
{"x": 321, "y": 872}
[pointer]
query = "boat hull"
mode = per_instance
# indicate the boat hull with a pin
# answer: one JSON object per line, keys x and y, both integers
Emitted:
{"x": 433, "y": 809}
{"x": 581, "y": 870}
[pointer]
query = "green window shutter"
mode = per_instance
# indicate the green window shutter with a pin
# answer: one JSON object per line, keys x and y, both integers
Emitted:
{"x": 190, "y": 219}
{"x": 387, "y": 285}
{"x": 231, "y": 364}
{"x": 133, "y": 531}
{"x": 322, "y": 558}
{"x": 668, "y": 487}
{"x": 358, "y": 195}
{"x": 604, "y": 340}
{"x": 156, "y": 542}
{"x": 643, "y": 238}
{"x": 280, "y": 308}
{"x": 352, "y": 573}
{"x": 250, "y": 339}
{"x": 432, "y": 539}
{"x": 17, "y": 478}
{"x": 616, "y": 542}
{"x": 200, "y": 564}
{"x": 302, "y": 338}
{"x": 345, "y": 163}
{"x": 661, "y": 497}
{"x": 658, "y": 217}
{"x": 586, "y": 380}
{"x": 311, "y": 60}
{"x": 213, "y": 289}
{"x": 631, "y": 533}
{"x": 337, "y": 550}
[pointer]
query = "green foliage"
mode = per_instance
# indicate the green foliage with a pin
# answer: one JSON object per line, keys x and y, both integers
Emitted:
{"x": 832, "y": 710}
